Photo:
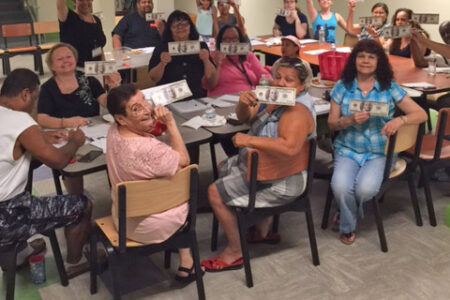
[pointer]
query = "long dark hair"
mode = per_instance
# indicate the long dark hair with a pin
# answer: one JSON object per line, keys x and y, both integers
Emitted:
{"x": 242, "y": 38}
{"x": 396, "y": 43}
{"x": 384, "y": 7}
{"x": 178, "y": 15}
{"x": 383, "y": 72}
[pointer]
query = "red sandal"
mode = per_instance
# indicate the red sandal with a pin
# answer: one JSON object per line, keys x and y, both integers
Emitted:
{"x": 217, "y": 265}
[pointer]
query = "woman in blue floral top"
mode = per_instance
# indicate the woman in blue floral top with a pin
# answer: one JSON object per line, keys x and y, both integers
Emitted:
{"x": 68, "y": 98}
{"x": 359, "y": 148}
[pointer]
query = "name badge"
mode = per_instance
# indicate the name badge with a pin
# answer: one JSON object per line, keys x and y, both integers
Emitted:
{"x": 97, "y": 52}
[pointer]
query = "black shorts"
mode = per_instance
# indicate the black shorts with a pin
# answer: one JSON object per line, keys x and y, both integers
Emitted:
{"x": 26, "y": 215}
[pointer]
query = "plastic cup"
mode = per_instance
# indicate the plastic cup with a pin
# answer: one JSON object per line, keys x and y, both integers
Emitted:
{"x": 432, "y": 67}
{"x": 37, "y": 268}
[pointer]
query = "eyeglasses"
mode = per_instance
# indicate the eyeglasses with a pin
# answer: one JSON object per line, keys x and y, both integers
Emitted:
{"x": 138, "y": 109}
{"x": 180, "y": 25}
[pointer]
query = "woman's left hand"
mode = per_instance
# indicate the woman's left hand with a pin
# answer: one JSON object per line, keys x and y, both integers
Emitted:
{"x": 113, "y": 80}
{"x": 241, "y": 140}
{"x": 391, "y": 127}
{"x": 203, "y": 55}
{"x": 162, "y": 114}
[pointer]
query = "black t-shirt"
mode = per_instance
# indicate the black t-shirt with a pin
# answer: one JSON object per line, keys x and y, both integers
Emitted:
{"x": 82, "y": 102}
{"x": 83, "y": 36}
{"x": 189, "y": 67}
{"x": 406, "y": 52}
{"x": 135, "y": 32}
{"x": 289, "y": 29}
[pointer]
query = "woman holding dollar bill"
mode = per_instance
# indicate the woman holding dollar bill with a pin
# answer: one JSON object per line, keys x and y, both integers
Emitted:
{"x": 277, "y": 130}
{"x": 359, "y": 157}
{"x": 291, "y": 21}
{"x": 165, "y": 68}
{"x": 368, "y": 31}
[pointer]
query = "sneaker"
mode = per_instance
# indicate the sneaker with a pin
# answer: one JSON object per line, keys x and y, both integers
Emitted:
{"x": 347, "y": 238}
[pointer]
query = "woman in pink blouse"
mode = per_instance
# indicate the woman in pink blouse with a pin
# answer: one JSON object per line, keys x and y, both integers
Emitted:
{"x": 133, "y": 153}
{"x": 235, "y": 73}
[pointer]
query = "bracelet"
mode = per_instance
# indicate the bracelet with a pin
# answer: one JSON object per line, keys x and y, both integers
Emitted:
{"x": 404, "y": 119}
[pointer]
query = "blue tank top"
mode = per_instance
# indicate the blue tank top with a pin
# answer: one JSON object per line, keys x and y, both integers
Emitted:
{"x": 328, "y": 25}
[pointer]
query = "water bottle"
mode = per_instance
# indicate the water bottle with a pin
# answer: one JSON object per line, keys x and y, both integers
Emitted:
{"x": 210, "y": 112}
{"x": 432, "y": 64}
{"x": 321, "y": 35}
{"x": 333, "y": 47}
{"x": 264, "y": 80}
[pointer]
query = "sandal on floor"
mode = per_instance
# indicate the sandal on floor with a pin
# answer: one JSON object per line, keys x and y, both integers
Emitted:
{"x": 271, "y": 238}
{"x": 187, "y": 279}
{"x": 336, "y": 221}
{"x": 217, "y": 265}
{"x": 347, "y": 238}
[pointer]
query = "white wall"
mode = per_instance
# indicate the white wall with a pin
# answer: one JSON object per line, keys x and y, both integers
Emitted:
{"x": 259, "y": 14}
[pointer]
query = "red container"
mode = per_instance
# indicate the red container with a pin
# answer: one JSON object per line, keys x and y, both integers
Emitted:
{"x": 331, "y": 64}
{"x": 159, "y": 128}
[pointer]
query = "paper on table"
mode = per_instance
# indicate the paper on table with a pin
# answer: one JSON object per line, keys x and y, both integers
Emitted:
{"x": 321, "y": 106}
{"x": 442, "y": 69}
{"x": 308, "y": 41}
{"x": 199, "y": 121}
{"x": 316, "y": 52}
{"x": 96, "y": 131}
{"x": 229, "y": 98}
{"x": 412, "y": 92}
{"x": 344, "y": 49}
{"x": 422, "y": 84}
{"x": 216, "y": 102}
{"x": 146, "y": 49}
{"x": 257, "y": 42}
{"x": 100, "y": 143}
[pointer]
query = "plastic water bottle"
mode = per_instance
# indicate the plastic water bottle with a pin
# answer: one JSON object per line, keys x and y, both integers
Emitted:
{"x": 264, "y": 80}
{"x": 210, "y": 112}
{"x": 432, "y": 64}
{"x": 321, "y": 35}
{"x": 333, "y": 47}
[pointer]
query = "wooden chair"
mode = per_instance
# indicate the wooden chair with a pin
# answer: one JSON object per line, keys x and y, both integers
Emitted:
{"x": 117, "y": 19}
{"x": 435, "y": 154}
{"x": 42, "y": 28}
{"x": 21, "y": 30}
{"x": 350, "y": 40}
{"x": 8, "y": 255}
{"x": 144, "y": 198}
{"x": 408, "y": 136}
{"x": 262, "y": 167}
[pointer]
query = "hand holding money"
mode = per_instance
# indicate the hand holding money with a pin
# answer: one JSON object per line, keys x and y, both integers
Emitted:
{"x": 282, "y": 12}
{"x": 163, "y": 115}
{"x": 234, "y": 48}
{"x": 203, "y": 55}
{"x": 165, "y": 58}
{"x": 275, "y": 95}
{"x": 375, "y": 108}
{"x": 184, "y": 48}
{"x": 171, "y": 92}
{"x": 360, "y": 117}
{"x": 218, "y": 58}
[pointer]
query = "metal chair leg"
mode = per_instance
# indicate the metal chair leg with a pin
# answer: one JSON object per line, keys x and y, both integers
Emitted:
{"x": 11, "y": 272}
{"x": 415, "y": 203}
{"x": 312, "y": 236}
{"x": 57, "y": 182}
{"x": 428, "y": 197}
{"x": 244, "y": 248}
{"x": 215, "y": 233}
{"x": 380, "y": 228}
{"x": 93, "y": 261}
{"x": 327, "y": 208}
{"x": 167, "y": 258}
{"x": 275, "y": 223}
{"x": 198, "y": 270}
{"x": 58, "y": 258}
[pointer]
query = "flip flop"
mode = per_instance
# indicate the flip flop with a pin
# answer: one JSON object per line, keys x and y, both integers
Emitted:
{"x": 347, "y": 238}
{"x": 217, "y": 265}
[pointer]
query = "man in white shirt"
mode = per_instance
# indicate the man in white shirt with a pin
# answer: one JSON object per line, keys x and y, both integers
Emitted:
{"x": 21, "y": 214}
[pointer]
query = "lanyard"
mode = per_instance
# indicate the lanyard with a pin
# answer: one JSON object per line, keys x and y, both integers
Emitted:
{"x": 241, "y": 70}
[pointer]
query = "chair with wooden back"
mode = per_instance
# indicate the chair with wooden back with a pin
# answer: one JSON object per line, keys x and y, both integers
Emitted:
{"x": 143, "y": 198}
{"x": 262, "y": 167}
{"x": 435, "y": 154}
{"x": 21, "y": 30}
{"x": 41, "y": 29}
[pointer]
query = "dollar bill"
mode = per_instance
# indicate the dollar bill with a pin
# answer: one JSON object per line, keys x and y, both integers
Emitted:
{"x": 275, "y": 95}
{"x": 395, "y": 32}
{"x": 374, "y": 21}
{"x": 425, "y": 18}
{"x": 171, "y": 93}
{"x": 237, "y": 2}
{"x": 184, "y": 48}
{"x": 282, "y": 12}
{"x": 234, "y": 48}
{"x": 375, "y": 108}
{"x": 154, "y": 16}
{"x": 99, "y": 67}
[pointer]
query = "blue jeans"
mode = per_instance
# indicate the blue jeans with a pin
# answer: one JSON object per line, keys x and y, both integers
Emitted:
{"x": 352, "y": 185}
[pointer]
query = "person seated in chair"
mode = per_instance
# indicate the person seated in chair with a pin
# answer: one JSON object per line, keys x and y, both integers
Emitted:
{"x": 277, "y": 130}
{"x": 22, "y": 214}
{"x": 133, "y": 153}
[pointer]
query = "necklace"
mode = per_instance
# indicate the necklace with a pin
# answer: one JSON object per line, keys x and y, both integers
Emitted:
{"x": 365, "y": 93}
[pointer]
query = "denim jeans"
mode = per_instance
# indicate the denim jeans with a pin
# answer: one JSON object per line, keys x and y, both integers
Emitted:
{"x": 352, "y": 185}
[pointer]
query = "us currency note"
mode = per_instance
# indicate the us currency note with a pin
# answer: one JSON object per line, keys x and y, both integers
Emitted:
{"x": 282, "y": 12}
{"x": 425, "y": 18}
{"x": 184, "y": 48}
{"x": 375, "y": 108}
{"x": 99, "y": 67}
{"x": 275, "y": 95}
{"x": 395, "y": 32}
{"x": 374, "y": 21}
{"x": 171, "y": 93}
{"x": 238, "y": 2}
{"x": 154, "y": 16}
{"x": 234, "y": 48}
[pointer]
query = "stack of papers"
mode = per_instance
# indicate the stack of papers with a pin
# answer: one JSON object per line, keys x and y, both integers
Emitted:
{"x": 316, "y": 52}
{"x": 307, "y": 41}
{"x": 229, "y": 98}
{"x": 412, "y": 92}
{"x": 422, "y": 85}
{"x": 199, "y": 121}
{"x": 96, "y": 135}
{"x": 216, "y": 102}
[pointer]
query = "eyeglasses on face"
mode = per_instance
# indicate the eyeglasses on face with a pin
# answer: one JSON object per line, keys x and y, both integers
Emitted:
{"x": 179, "y": 25}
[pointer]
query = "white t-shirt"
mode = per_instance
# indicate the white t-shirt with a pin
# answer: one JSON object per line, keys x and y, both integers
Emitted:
{"x": 440, "y": 60}
{"x": 13, "y": 173}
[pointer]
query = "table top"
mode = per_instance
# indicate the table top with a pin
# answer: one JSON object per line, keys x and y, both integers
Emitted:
{"x": 404, "y": 69}
{"x": 189, "y": 135}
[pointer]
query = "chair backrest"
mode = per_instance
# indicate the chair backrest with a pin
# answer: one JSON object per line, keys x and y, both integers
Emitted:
{"x": 117, "y": 19}
{"x": 350, "y": 40}
{"x": 442, "y": 130}
{"x": 45, "y": 27}
{"x": 16, "y": 30}
{"x": 405, "y": 138}
{"x": 147, "y": 197}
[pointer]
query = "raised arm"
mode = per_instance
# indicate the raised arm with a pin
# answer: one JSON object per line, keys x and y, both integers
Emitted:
{"x": 62, "y": 10}
{"x": 239, "y": 17}
{"x": 215, "y": 21}
{"x": 300, "y": 28}
{"x": 295, "y": 124}
{"x": 312, "y": 12}
{"x": 341, "y": 22}
{"x": 442, "y": 49}
{"x": 208, "y": 67}
{"x": 354, "y": 29}
{"x": 247, "y": 107}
